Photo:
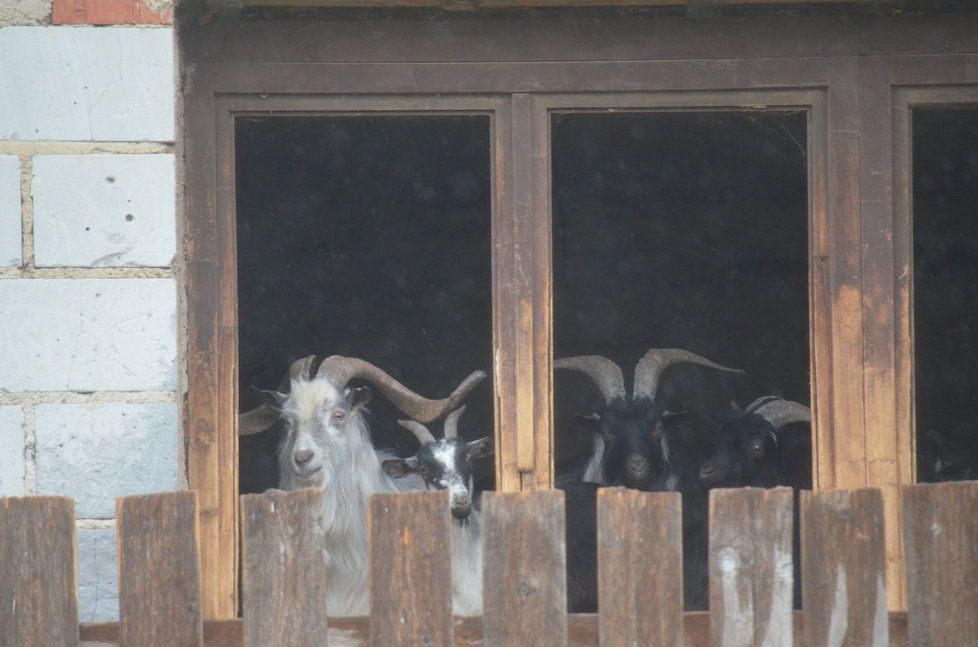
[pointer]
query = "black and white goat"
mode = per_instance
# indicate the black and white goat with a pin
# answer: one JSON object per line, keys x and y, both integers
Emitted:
{"x": 446, "y": 464}
{"x": 326, "y": 443}
{"x": 631, "y": 446}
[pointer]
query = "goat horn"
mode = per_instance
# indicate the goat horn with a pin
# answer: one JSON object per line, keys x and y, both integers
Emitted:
{"x": 605, "y": 374}
{"x": 265, "y": 415}
{"x": 654, "y": 363}
{"x": 340, "y": 370}
{"x": 760, "y": 402}
{"x": 451, "y": 422}
{"x": 780, "y": 412}
{"x": 419, "y": 430}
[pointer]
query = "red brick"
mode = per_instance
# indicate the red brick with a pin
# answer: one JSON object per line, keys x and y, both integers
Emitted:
{"x": 109, "y": 12}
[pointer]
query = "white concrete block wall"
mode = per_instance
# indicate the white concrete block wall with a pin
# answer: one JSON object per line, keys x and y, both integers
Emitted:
{"x": 12, "y": 448}
{"x": 104, "y": 210}
{"x": 88, "y": 334}
{"x": 89, "y": 316}
{"x": 98, "y": 575}
{"x": 96, "y": 453}
{"x": 86, "y": 84}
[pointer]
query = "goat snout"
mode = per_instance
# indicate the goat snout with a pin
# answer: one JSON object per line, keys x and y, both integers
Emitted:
{"x": 302, "y": 456}
{"x": 461, "y": 511}
{"x": 637, "y": 468}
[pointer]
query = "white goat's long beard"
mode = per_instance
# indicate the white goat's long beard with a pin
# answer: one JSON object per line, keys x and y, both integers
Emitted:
{"x": 351, "y": 473}
{"x": 467, "y": 565}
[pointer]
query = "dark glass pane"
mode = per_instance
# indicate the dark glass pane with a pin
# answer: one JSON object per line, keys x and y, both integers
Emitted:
{"x": 945, "y": 235}
{"x": 368, "y": 237}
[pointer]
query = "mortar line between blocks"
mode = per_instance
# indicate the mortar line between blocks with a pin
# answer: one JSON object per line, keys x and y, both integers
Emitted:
{"x": 26, "y": 212}
{"x": 85, "y": 272}
{"x": 30, "y": 451}
{"x": 95, "y": 524}
{"x": 32, "y": 398}
{"x": 50, "y": 147}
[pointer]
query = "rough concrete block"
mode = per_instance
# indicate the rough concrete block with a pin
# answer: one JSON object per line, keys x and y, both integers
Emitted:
{"x": 88, "y": 334}
{"x": 10, "y": 219}
{"x": 11, "y": 451}
{"x": 96, "y": 453}
{"x": 24, "y": 12}
{"x": 87, "y": 84}
{"x": 98, "y": 575}
{"x": 104, "y": 210}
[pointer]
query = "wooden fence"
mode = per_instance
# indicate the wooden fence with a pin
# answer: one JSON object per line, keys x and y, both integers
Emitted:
{"x": 640, "y": 573}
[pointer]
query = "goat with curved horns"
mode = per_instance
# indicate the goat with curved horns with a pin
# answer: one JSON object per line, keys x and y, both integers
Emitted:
{"x": 631, "y": 448}
{"x": 327, "y": 444}
{"x": 446, "y": 464}
{"x": 753, "y": 451}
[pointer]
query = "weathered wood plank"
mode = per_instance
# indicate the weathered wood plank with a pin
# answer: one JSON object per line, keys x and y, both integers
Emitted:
{"x": 211, "y": 298}
{"x": 159, "y": 571}
{"x": 410, "y": 570}
{"x": 525, "y": 584}
{"x": 848, "y": 428}
{"x": 522, "y": 298}
{"x": 284, "y": 569}
{"x": 941, "y": 539}
{"x": 843, "y": 569}
{"x": 640, "y": 568}
{"x": 582, "y": 631}
{"x": 889, "y": 444}
{"x": 751, "y": 574}
{"x": 217, "y": 633}
{"x": 38, "y": 605}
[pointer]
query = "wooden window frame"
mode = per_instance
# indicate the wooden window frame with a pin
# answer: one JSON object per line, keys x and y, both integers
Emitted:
{"x": 855, "y": 78}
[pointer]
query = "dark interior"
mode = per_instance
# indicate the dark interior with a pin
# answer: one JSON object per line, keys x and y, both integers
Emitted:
{"x": 945, "y": 292}
{"x": 364, "y": 236}
{"x": 680, "y": 230}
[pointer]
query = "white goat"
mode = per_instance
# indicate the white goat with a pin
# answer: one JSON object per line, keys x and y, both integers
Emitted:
{"x": 327, "y": 444}
{"x": 446, "y": 464}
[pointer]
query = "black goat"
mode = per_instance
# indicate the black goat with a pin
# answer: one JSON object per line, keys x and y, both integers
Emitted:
{"x": 766, "y": 447}
{"x": 763, "y": 447}
{"x": 939, "y": 459}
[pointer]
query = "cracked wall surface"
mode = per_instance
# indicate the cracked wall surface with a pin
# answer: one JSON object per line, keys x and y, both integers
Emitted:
{"x": 89, "y": 317}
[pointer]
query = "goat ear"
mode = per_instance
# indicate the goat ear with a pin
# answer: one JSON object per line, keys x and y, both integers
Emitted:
{"x": 359, "y": 396}
{"x": 273, "y": 398}
{"x": 479, "y": 448}
{"x": 399, "y": 467}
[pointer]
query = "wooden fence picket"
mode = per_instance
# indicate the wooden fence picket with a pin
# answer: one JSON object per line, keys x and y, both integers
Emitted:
{"x": 751, "y": 579}
{"x": 38, "y": 605}
{"x": 410, "y": 570}
{"x": 640, "y": 568}
{"x": 941, "y": 539}
{"x": 159, "y": 571}
{"x": 525, "y": 584}
{"x": 844, "y": 569}
{"x": 283, "y": 569}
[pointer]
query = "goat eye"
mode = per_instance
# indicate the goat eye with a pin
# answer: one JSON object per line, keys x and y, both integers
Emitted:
{"x": 339, "y": 416}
